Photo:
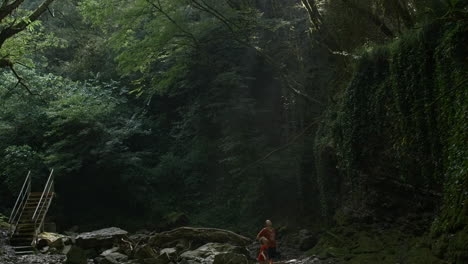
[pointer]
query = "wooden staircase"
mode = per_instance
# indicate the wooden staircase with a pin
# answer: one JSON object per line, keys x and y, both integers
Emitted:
{"x": 27, "y": 217}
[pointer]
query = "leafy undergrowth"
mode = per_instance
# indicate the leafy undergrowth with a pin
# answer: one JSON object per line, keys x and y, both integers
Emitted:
{"x": 370, "y": 244}
{"x": 4, "y": 222}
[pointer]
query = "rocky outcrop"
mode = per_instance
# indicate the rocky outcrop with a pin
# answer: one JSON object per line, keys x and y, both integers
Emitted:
{"x": 209, "y": 252}
{"x": 114, "y": 246}
{"x": 196, "y": 237}
{"x": 231, "y": 258}
{"x": 111, "y": 256}
{"x": 53, "y": 240}
{"x": 100, "y": 239}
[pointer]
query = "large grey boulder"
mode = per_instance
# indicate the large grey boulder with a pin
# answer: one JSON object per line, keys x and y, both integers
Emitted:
{"x": 111, "y": 258}
{"x": 171, "y": 252}
{"x": 207, "y": 253}
{"x": 53, "y": 240}
{"x": 231, "y": 258}
{"x": 197, "y": 237}
{"x": 102, "y": 239}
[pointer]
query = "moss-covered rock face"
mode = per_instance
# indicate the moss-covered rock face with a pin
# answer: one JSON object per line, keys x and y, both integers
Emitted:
{"x": 367, "y": 244}
{"x": 398, "y": 139}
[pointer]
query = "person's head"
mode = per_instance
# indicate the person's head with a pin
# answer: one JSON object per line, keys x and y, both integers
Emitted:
{"x": 268, "y": 223}
{"x": 263, "y": 240}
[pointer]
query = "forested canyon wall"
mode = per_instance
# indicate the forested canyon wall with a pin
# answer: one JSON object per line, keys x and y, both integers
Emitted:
{"x": 394, "y": 146}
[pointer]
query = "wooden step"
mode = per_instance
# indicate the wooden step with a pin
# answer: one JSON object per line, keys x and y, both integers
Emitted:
{"x": 23, "y": 233}
{"x": 21, "y": 241}
{"x": 30, "y": 207}
{"x": 37, "y": 200}
{"x": 22, "y": 228}
{"x": 38, "y": 197}
{"x": 22, "y": 236}
{"x": 25, "y": 225}
{"x": 18, "y": 237}
{"x": 39, "y": 194}
{"x": 22, "y": 247}
{"x": 23, "y": 250}
{"x": 31, "y": 211}
{"x": 21, "y": 253}
{"x": 33, "y": 208}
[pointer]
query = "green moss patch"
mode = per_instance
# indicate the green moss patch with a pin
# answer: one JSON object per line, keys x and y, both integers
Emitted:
{"x": 398, "y": 137}
{"x": 4, "y": 222}
{"x": 367, "y": 244}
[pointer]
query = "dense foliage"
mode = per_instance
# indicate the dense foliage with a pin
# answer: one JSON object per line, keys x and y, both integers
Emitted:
{"x": 397, "y": 133}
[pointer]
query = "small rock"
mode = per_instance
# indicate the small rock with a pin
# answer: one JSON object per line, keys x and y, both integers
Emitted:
{"x": 109, "y": 251}
{"x": 44, "y": 249}
{"x": 207, "y": 252}
{"x": 172, "y": 252}
{"x": 163, "y": 259}
{"x": 111, "y": 258}
{"x": 66, "y": 249}
{"x": 145, "y": 252}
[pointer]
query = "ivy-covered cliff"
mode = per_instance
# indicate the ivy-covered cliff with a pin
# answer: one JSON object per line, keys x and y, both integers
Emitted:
{"x": 393, "y": 149}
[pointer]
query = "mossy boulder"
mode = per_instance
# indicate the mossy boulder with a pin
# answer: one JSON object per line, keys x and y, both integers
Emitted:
{"x": 368, "y": 244}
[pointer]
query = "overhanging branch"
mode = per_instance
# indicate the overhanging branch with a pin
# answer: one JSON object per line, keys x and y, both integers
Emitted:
{"x": 16, "y": 28}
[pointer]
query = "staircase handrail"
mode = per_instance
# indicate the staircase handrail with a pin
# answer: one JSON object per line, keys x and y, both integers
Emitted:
{"x": 44, "y": 203}
{"x": 23, "y": 195}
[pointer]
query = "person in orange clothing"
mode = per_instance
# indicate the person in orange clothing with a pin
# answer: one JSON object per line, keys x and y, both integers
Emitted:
{"x": 263, "y": 255}
{"x": 270, "y": 234}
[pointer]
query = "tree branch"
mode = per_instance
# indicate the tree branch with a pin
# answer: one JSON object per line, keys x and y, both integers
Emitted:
{"x": 159, "y": 8}
{"x": 372, "y": 17}
{"x": 326, "y": 37}
{"x": 15, "y": 29}
{"x": 20, "y": 81}
{"x": 6, "y": 9}
{"x": 230, "y": 26}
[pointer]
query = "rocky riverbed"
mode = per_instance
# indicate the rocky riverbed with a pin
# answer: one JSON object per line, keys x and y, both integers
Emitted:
{"x": 183, "y": 245}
